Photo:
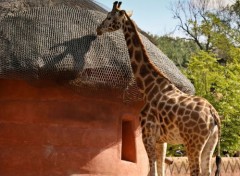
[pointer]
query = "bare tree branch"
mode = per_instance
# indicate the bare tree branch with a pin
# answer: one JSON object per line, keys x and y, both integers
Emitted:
{"x": 188, "y": 20}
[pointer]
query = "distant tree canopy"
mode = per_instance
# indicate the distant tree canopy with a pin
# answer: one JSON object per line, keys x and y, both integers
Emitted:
{"x": 212, "y": 29}
{"x": 178, "y": 49}
{"x": 210, "y": 58}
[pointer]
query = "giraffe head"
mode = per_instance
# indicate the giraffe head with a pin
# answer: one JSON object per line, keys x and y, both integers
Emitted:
{"x": 114, "y": 20}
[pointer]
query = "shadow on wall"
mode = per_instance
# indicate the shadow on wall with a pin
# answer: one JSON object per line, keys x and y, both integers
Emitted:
{"x": 76, "y": 49}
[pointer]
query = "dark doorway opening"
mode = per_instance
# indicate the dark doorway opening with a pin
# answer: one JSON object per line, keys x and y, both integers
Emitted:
{"x": 128, "y": 141}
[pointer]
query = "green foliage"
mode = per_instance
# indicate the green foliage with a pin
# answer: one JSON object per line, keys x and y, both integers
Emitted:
{"x": 177, "y": 49}
{"x": 221, "y": 86}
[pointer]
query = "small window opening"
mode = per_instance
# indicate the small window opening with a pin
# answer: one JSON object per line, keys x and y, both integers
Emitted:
{"x": 128, "y": 142}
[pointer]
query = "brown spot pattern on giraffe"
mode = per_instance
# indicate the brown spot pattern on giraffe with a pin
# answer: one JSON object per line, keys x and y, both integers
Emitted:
{"x": 194, "y": 116}
{"x": 143, "y": 122}
{"x": 171, "y": 101}
{"x": 151, "y": 118}
{"x": 175, "y": 108}
{"x": 161, "y": 105}
{"x": 152, "y": 93}
{"x": 130, "y": 51}
{"x": 167, "y": 107}
{"x": 196, "y": 129}
{"x": 148, "y": 80}
{"x": 171, "y": 116}
{"x": 160, "y": 119}
{"x": 138, "y": 56}
{"x": 135, "y": 41}
{"x": 143, "y": 70}
{"x": 154, "y": 102}
{"x": 169, "y": 88}
{"x": 127, "y": 36}
{"x": 153, "y": 112}
{"x": 181, "y": 98}
{"x": 187, "y": 112}
{"x": 149, "y": 87}
{"x": 171, "y": 126}
{"x": 181, "y": 111}
{"x": 185, "y": 118}
{"x": 190, "y": 106}
{"x": 190, "y": 124}
{"x": 129, "y": 42}
{"x": 139, "y": 83}
{"x": 166, "y": 120}
{"x": 145, "y": 109}
{"x": 134, "y": 67}
{"x": 159, "y": 80}
{"x": 154, "y": 73}
{"x": 163, "y": 85}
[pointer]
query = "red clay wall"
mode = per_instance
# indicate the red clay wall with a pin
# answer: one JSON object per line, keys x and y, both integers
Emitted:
{"x": 53, "y": 131}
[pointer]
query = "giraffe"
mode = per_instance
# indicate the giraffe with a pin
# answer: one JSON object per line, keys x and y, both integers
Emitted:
{"x": 168, "y": 115}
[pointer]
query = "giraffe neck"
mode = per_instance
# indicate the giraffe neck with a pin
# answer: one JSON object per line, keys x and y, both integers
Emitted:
{"x": 145, "y": 72}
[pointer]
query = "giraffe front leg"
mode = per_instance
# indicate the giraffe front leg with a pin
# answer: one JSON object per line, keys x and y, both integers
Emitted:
{"x": 149, "y": 144}
{"x": 161, "y": 149}
{"x": 150, "y": 149}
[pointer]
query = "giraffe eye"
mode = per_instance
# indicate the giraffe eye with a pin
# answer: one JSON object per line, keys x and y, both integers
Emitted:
{"x": 108, "y": 18}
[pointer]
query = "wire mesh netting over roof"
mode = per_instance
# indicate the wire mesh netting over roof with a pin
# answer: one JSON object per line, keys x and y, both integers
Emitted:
{"x": 57, "y": 40}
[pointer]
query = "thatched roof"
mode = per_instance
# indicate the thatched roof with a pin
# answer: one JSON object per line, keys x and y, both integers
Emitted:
{"x": 56, "y": 39}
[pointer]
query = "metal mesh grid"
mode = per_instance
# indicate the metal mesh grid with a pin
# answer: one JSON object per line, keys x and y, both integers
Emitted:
{"x": 60, "y": 42}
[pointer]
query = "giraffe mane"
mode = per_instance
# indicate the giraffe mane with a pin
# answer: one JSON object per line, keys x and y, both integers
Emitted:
{"x": 144, "y": 50}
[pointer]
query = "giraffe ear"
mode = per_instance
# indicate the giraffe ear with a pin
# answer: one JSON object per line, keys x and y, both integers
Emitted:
{"x": 129, "y": 13}
{"x": 119, "y": 4}
{"x": 115, "y": 4}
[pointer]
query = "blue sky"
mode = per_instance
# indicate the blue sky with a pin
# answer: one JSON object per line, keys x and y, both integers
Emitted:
{"x": 152, "y": 16}
{"x": 155, "y": 16}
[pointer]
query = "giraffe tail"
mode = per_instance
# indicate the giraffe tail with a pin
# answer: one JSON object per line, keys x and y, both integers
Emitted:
{"x": 218, "y": 158}
{"x": 218, "y": 163}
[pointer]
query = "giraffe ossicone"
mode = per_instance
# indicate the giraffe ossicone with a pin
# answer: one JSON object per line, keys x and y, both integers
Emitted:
{"x": 169, "y": 115}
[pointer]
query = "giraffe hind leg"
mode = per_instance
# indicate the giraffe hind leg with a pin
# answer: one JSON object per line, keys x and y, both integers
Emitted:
{"x": 194, "y": 154}
{"x": 207, "y": 152}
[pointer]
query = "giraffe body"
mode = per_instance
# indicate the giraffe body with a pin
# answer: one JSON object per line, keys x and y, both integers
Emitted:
{"x": 169, "y": 115}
